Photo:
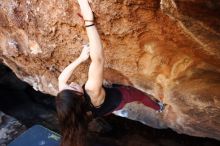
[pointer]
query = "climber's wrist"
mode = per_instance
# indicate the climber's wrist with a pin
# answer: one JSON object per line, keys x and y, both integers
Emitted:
{"x": 89, "y": 24}
{"x": 80, "y": 60}
{"x": 86, "y": 10}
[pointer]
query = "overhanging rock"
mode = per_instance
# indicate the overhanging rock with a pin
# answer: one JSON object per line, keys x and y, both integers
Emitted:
{"x": 168, "y": 48}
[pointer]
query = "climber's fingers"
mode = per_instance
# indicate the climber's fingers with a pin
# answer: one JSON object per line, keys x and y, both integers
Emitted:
{"x": 85, "y": 52}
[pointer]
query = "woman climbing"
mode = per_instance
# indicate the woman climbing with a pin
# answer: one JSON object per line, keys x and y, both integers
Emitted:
{"x": 74, "y": 102}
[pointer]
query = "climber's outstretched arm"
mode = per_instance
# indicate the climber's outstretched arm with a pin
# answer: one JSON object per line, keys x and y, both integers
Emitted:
{"x": 95, "y": 76}
{"x": 67, "y": 72}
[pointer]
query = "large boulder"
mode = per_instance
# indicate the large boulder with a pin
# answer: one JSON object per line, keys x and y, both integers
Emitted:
{"x": 169, "y": 49}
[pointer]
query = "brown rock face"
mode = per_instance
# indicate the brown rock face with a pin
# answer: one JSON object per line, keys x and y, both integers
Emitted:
{"x": 169, "y": 49}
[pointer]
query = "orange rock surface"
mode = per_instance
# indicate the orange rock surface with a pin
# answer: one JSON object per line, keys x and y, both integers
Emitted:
{"x": 168, "y": 48}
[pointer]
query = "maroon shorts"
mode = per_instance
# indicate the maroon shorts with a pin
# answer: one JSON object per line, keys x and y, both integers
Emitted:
{"x": 131, "y": 94}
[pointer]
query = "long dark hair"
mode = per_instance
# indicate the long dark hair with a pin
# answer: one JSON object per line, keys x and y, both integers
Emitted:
{"x": 72, "y": 118}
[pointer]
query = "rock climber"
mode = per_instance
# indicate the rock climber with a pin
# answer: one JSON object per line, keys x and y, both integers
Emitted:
{"x": 74, "y": 102}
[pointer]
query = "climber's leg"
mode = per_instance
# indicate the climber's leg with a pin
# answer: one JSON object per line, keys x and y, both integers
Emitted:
{"x": 131, "y": 94}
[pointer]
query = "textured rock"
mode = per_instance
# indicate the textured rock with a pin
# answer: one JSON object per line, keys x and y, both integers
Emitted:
{"x": 10, "y": 128}
{"x": 168, "y": 48}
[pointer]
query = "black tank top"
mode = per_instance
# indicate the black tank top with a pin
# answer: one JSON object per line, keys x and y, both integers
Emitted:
{"x": 113, "y": 98}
